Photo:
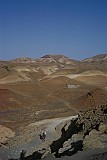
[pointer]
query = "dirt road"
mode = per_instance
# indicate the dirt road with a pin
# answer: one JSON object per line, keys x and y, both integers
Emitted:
{"x": 29, "y": 139}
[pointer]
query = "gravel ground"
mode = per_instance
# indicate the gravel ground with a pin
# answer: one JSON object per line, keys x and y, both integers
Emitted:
{"x": 29, "y": 139}
{"x": 30, "y": 142}
{"x": 97, "y": 154}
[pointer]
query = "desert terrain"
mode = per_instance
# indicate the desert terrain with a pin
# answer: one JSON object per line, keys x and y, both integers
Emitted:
{"x": 44, "y": 94}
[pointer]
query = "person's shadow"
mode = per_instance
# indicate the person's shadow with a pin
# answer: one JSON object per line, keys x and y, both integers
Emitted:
{"x": 22, "y": 155}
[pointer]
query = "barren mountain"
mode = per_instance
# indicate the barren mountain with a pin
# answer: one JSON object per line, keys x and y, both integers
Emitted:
{"x": 52, "y": 81}
{"x": 49, "y": 84}
{"x": 98, "y": 62}
{"x": 100, "y": 57}
{"x": 95, "y": 97}
{"x": 52, "y": 86}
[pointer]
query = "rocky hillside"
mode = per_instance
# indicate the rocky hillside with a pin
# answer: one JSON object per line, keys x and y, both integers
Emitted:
{"x": 100, "y": 57}
{"x": 88, "y": 131}
{"x": 49, "y": 89}
{"x": 28, "y": 69}
{"x": 95, "y": 97}
{"x": 53, "y": 86}
{"x": 97, "y": 62}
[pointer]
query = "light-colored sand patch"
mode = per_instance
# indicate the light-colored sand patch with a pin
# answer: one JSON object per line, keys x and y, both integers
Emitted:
{"x": 14, "y": 78}
{"x": 93, "y": 72}
{"x": 98, "y": 80}
{"x": 87, "y": 73}
{"x": 23, "y": 76}
{"x": 49, "y": 70}
{"x": 72, "y": 86}
{"x": 74, "y": 76}
{"x": 105, "y": 58}
{"x": 22, "y": 68}
{"x": 38, "y": 112}
{"x": 105, "y": 88}
{"x": 5, "y": 134}
{"x": 10, "y": 79}
{"x": 33, "y": 70}
{"x": 25, "y": 69}
{"x": 50, "y": 124}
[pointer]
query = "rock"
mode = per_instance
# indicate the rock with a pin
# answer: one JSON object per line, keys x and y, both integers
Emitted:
{"x": 49, "y": 157}
{"x": 95, "y": 139}
{"x": 5, "y": 134}
{"x": 102, "y": 128}
{"x": 45, "y": 152}
{"x": 64, "y": 124}
{"x": 88, "y": 131}
{"x": 92, "y": 118}
{"x": 66, "y": 146}
{"x": 77, "y": 137}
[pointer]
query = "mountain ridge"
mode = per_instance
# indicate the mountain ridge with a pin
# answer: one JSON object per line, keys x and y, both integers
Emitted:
{"x": 97, "y": 56}
{"x": 50, "y": 87}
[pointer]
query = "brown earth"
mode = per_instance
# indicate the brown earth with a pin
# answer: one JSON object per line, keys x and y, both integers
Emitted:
{"x": 36, "y": 89}
{"x": 50, "y": 87}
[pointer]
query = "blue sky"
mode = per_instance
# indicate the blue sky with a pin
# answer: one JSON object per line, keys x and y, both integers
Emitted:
{"x": 33, "y": 28}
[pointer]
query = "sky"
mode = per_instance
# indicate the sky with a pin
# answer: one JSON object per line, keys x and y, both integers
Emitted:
{"x": 33, "y": 28}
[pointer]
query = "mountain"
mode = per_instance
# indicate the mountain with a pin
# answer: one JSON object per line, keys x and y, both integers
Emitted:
{"x": 61, "y": 59}
{"x": 27, "y": 69}
{"x": 95, "y": 97}
{"x": 53, "y": 86}
{"x": 23, "y": 60}
{"x": 52, "y": 80}
{"x": 99, "y": 57}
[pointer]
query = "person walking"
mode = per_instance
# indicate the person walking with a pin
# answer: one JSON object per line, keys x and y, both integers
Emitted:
{"x": 42, "y": 136}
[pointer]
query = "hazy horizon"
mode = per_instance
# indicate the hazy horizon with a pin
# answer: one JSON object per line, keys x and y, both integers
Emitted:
{"x": 34, "y": 28}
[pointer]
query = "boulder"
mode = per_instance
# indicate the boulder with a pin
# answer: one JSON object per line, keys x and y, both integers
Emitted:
{"x": 102, "y": 128}
{"x": 95, "y": 139}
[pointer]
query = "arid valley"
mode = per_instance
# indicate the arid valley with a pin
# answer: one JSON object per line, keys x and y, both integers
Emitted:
{"x": 52, "y": 93}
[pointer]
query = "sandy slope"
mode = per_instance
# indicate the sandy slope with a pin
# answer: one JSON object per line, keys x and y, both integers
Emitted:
{"x": 5, "y": 134}
{"x": 50, "y": 124}
{"x": 90, "y": 73}
{"x": 29, "y": 139}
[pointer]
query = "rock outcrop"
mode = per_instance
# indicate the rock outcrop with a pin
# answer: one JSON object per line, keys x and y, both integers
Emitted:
{"x": 88, "y": 131}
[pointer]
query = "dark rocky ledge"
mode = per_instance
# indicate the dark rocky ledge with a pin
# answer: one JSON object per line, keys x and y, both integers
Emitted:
{"x": 78, "y": 136}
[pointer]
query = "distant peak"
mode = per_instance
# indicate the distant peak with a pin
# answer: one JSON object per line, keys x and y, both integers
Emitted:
{"x": 54, "y": 56}
{"x": 23, "y": 58}
{"x": 97, "y": 57}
